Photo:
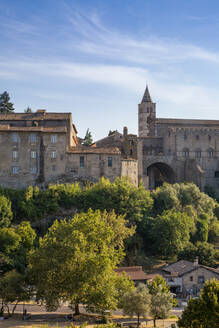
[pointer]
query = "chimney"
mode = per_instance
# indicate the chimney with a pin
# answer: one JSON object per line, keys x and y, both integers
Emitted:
{"x": 196, "y": 261}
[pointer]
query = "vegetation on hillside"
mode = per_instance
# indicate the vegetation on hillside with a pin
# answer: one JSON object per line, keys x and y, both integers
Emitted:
{"x": 108, "y": 224}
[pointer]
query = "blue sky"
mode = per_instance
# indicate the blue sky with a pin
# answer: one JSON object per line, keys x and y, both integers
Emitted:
{"x": 94, "y": 57}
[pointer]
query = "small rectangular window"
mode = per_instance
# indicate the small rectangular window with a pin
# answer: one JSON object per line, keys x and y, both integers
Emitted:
{"x": 33, "y": 154}
{"x": 33, "y": 138}
{"x": 15, "y": 170}
{"x": 15, "y": 155}
{"x": 110, "y": 161}
{"x": 15, "y": 137}
{"x": 53, "y": 138}
{"x": 81, "y": 161}
{"x": 216, "y": 174}
{"x": 33, "y": 170}
{"x": 53, "y": 168}
{"x": 191, "y": 278}
{"x": 53, "y": 154}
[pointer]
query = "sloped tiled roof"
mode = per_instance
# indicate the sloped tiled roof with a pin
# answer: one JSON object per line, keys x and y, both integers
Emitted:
{"x": 134, "y": 272}
{"x": 182, "y": 267}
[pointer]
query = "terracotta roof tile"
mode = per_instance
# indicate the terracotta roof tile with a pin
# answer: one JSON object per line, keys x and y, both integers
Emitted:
{"x": 34, "y": 116}
{"x": 134, "y": 273}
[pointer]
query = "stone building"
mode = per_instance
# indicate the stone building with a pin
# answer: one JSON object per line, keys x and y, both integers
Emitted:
{"x": 188, "y": 278}
{"x": 176, "y": 150}
{"x": 39, "y": 148}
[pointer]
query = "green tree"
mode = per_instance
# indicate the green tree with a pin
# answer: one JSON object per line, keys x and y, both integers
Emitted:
{"x": 5, "y": 105}
{"x": 77, "y": 257}
{"x": 14, "y": 288}
{"x": 182, "y": 196}
{"x": 15, "y": 244}
{"x": 201, "y": 233}
{"x": 6, "y": 214}
{"x": 137, "y": 302}
{"x": 28, "y": 110}
{"x": 161, "y": 304}
{"x": 158, "y": 284}
{"x": 170, "y": 233}
{"x": 88, "y": 138}
{"x": 206, "y": 253}
{"x": 203, "y": 312}
{"x": 121, "y": 196}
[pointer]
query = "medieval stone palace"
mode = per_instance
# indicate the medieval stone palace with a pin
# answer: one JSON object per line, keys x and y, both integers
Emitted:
{"x": 41, "y": 148}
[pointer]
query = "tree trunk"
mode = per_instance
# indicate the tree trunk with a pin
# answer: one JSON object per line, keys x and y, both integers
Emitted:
{"x": 77, "y": 311}
{"x": 154, "y": 322}
{"x": 14, "y": 308}
{"x": 138, "y": 320}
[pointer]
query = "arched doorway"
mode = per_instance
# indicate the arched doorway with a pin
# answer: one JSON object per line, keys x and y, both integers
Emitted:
{"x": 158, "y": 173}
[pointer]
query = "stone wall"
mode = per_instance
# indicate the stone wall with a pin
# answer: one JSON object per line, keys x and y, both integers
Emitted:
{"x": 129, "y": 170}
{"x": 191, "y": 279}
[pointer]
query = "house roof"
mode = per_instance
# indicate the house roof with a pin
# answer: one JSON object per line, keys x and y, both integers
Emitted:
{"x": 182, "y": 267}
{"x": 38, "y": 115}
{"x": 134, "y": 273}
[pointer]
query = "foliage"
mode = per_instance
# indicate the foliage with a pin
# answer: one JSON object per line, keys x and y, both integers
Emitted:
{"x": 203, "y": 312}
{"x": 120, "y": 196}
{"x": 37, "y": 203}
{"x": 206, "y": 253}
{"x": 137, "y": 302}
{"x": 210, "y": 191}
{"x": 88, "y": 138}
{"x": 159, "y": 284}
{"x": 170, "y": 232}
{"x": 85, "y": 250}
{"x": 6, "y": 214}
{"x": 5, "y": 105}
{"x": 13, "y": 289}
{"x": 67, "y": 195}
{"x": 15, "y": 243}
{"x": 181, "y": 196}
{"x": 28, "y": 110}
{"x": 161, "y": 304}
{"x": 162, "y": 300}
{"x": 202, "y": 229}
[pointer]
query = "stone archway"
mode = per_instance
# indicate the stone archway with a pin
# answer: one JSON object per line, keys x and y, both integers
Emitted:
{"x": 158, "y": 173}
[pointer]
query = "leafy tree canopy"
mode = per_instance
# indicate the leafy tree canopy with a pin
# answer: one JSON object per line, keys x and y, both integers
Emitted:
{"x": 203, "y": 312}
{"x": 137, "y": 302}
{"x": 206, "y": 253}
{"x": 28, "y": 110}
{"x": 6, "y": 214}
{"x": 14, "y": 288}
{"x": 5, "y": 105}
{"x": 88, "y": 138}
{"x": 15, "y": 243}
{"x": 170, "y": 232}
{"x": 85, "y": 250}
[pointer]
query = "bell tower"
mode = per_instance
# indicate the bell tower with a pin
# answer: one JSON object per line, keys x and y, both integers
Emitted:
{"x": 146, "y": 116}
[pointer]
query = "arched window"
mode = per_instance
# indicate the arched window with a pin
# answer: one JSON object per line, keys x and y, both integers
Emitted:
{"x": 185, "y": 152}
{"x": 210, "y": 152}
{"x": 198, "y": 153}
